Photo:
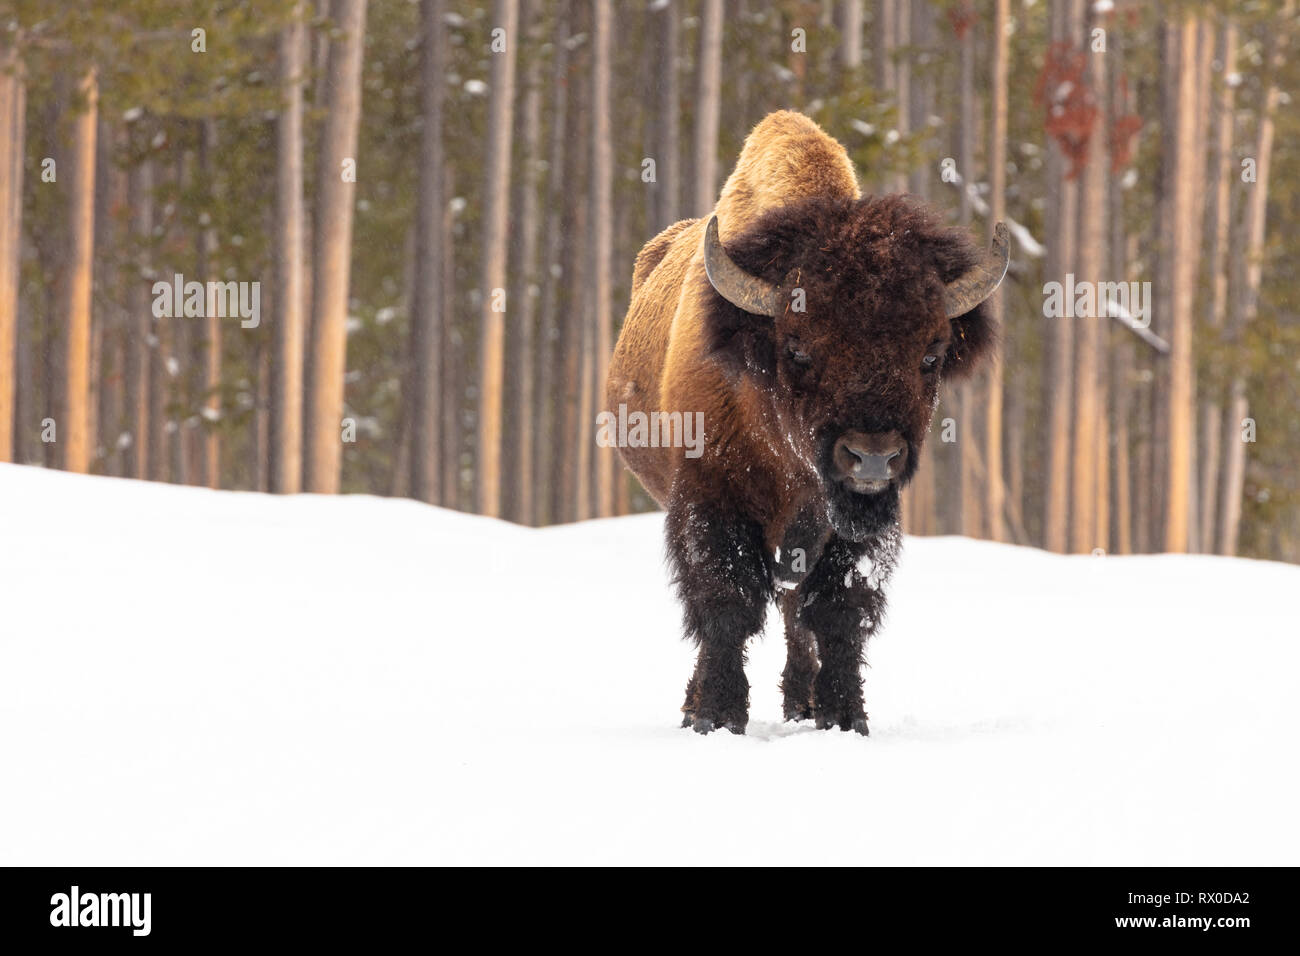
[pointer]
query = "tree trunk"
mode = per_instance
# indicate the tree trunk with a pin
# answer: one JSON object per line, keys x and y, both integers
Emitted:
{"x": 903, "y": 77}
{"x": 177, "y": 362}
{"x": 523, "y": 342}
{"x": 210, "y": 447}
{"x": 548, "y": 387}
{"x": 332, "y": 251}
{"x": 1121, "y": 375}
{"x": 426, "y": 313}
{"x": 452, "y": 356}
{"x": 285, "y": 440}
{"x": 1183, "y": 229}
{"x": 74, "y": 424}
{"x": 602, "y": 240}
{"x": 1246, "y": 291}
{"x": 995, "y": 501}
{"x": 1060, "y": 346}
{"x": 112, "y": 239}
{"x": 708, "y": 107}
{"x": 1090, "y": 261}
{"x": 851, "y": 34}
{"x": 13, "y": 126}
{"x": 971, "y": 501}
{"x": 882, "y": 53}
{"x": 573, "y": 305}
{"x": 505, "y": 16}
{"x": 1218, "y": 228}
{"x": 136, "y": 369}
{"x": 157, "y": 461}
{"x": 669, "y": 186}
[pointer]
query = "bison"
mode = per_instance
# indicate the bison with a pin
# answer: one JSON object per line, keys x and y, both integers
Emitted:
{"x": 810, "y": 327}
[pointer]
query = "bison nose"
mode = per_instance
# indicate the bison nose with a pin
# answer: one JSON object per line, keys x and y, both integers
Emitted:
{"x": 870, "y": 458}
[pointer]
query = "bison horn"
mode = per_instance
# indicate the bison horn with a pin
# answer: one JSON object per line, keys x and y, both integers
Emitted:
{"x": 733, "y": 283}
{"x": 981, "y": 281}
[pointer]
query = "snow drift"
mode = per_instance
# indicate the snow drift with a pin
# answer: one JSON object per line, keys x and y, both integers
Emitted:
{"x": 198, "y": 677}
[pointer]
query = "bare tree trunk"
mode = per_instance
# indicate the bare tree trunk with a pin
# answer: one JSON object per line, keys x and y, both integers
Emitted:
{"x": 574, "y": 269}
{"x": 210, "y": 446}
{"x": 1183, "y": 229}
{"x": 882, "y": 54}
{"x": 920, "y": 503}
{"x": 1121, "y": 373}
{"x": 851, "y": 34}
{"x": 286, "y": 372}
{"x": 994, "y": 490}
{"x": 426, "y": 313}
{"x": 13, "y": 126}
{"x": 1218, "y": 227}
{"x": 602, "y": 238}
{"x": 967, "y": 434}
{"x": 1246, "y": 291}
{"x": 111, "y": 240}
{"x": 140, "y": 197}
{"x": 452, "y": 356}
{"x": 584, "y": 503}
{"x": 903, "y": 76}
{"x": 548, "y": 388}
{"x": 669, "y": 188}
{"x": 160, "y": 329}
{"x": 522, "y": 344}
{"x": 1060, "y": 351}
{"x": 175, "y": 359}
{"x": 919, "y": 500}
{"x": 708, "y": 107}
{"x": 1145, "y": 464}
{"x": 74, "y": 424}
{"x": 332, "y": 251}
{"x": 1089, "y": 263}
{"x": 505, "y": 16}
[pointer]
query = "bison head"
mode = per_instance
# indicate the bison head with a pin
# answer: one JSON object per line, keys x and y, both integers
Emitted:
{"x": 847, "y": 314}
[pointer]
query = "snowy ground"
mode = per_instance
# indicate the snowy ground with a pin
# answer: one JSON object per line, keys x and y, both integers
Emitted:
{"x": 192, "y": 677}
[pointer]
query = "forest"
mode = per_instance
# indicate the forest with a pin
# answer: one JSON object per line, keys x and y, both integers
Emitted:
{"x": 385, "y": 246}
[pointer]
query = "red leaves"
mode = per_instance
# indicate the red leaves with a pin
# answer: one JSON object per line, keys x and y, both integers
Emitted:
{"x": 1070, "y": 102}
{"x": 962, "y": 16}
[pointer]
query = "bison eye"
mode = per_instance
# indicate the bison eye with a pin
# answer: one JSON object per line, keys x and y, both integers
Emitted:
{"x": 799, "y": 356}
{"x": 930, "y": 363}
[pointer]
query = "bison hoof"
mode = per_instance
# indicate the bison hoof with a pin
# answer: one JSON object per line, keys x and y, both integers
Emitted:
{"x": 703, "y": 725}
{"x": 830, "y": 722}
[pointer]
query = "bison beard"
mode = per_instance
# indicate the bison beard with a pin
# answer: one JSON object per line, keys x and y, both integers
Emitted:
{"x": 815, "y": 416}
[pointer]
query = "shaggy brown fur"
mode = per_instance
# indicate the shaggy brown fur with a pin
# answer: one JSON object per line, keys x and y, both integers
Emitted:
{"x": 763, "y": 508}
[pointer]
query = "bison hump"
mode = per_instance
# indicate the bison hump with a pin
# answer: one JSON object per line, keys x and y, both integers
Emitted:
{"x": 786, "y": 158}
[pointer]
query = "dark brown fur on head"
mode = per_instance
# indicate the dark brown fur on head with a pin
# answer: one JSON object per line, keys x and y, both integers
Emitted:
{"x": 872, "y": 274}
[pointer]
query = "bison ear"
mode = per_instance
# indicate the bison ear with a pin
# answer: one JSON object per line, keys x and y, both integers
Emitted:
{"x": 969, "y": 280}
{"x": 974, "y": 339}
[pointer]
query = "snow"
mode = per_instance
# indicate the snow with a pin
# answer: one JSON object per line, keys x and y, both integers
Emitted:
{"x": 199, "y": 677}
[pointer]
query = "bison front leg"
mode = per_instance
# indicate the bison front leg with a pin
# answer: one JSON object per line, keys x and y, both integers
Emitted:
{"x": 842, "y": 608}
{"x": 724, "y": 585}
{"x": 800, "y": 662}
